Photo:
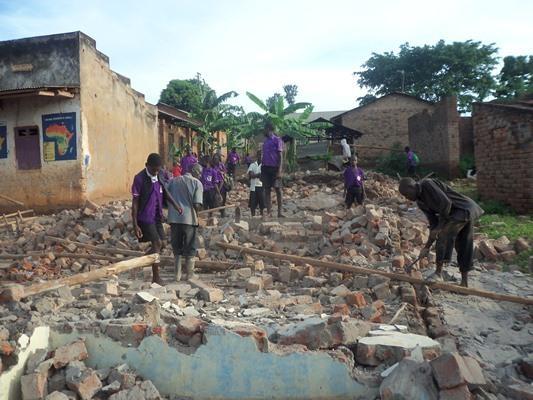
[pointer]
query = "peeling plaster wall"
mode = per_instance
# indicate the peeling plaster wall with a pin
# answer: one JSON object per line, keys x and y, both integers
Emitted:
{"x": 121, "y": 126}
{"x": 228, "y": 366}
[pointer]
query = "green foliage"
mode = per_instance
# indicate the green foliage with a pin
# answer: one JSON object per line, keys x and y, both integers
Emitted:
{"x": 291, "y": 91}
{"x": 366, "y": 99}
{"x": 285, "y": 124}
{"x": 392, "y": 163}
{"x": 516, "y": 77}
{"x": 433, "y": 72}
{"x": 465, "y": 163}
{"x": 505, "y": 223}
{"x": 185, "y": 94}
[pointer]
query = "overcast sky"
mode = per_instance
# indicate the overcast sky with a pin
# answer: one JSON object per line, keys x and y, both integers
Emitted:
{"x": 259, "y": 46}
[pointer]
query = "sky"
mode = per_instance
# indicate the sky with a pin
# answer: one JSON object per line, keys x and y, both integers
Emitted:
{"x": 258, "y": 46}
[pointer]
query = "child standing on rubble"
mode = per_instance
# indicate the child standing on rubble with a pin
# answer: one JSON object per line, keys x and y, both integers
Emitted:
{"x": 211, "y": 181}
{"x": 257, "y": 196}
{"x": 353, "y": 183}
{"x": 148, "y": 190}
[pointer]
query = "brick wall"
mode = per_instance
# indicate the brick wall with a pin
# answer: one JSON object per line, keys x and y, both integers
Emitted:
{"x": 503, "y": 145}
{"x": 434, "y": 136}
{"x": 383, "y": 122}
{"x": 466, "y": 137}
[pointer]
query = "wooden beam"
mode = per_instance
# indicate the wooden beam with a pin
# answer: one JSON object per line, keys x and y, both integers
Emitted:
{"x": 17, "y": 292}
{"x": 367, "y": 271}
{"x": 64, "y": 93}
{"x": 3, "y": 196}
{"x": 46, "y": 93}
{"x": 204, "y": 264}
{"x": 217, "y": 209}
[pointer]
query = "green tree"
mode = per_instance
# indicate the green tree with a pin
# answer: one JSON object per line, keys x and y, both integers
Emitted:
{"x": 291, "y": 91}
{"x": 366, "y": 99}
{"x": 433, "y": 72}
{"x": 185, "y": 94}
{"x": 295, "y": 127}
{"x": 516, "y": 77}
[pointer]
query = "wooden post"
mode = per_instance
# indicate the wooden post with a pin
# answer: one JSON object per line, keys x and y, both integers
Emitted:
{"x": 367, "y": 271}
{"x": 17, "y": 292}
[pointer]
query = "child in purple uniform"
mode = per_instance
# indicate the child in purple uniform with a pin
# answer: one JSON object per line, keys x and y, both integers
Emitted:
{"x": 210, "y": 180}
{"x": 353, "y": 183}
{"x": 233, "y": 160}
{"x": 147, "y": 207}
{"x": 271, "y": 168}
{"x": 188, "y": 161}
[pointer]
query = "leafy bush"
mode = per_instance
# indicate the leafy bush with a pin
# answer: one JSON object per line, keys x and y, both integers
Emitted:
{"x": 465, "y": 163}
{"x": 392, "y": 163}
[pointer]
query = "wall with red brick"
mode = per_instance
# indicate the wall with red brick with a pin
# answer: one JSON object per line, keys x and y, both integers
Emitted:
{"x": 383, "y": 122}
{"x": 434, "y": 136}
{"x": 466, "y": 137}
{"x": 503, "y": 145}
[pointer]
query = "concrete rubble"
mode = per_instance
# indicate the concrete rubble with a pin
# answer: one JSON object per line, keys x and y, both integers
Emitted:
{"x": 285, "y": 308}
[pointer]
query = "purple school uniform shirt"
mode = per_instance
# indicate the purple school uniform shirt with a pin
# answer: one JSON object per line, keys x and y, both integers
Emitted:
{"x": 353, "y": 177}
{"x": 233, "y": 158}
{"x": 187, "y": 163}
{"x": 153, "y": 210}
{"x": 272, "y": 148}
{"x": 411, "y": 158}
{"x": 209, "y": 178}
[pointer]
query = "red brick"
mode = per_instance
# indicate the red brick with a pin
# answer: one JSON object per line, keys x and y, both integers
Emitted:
{"x": 356, "y": 298}
{"x": 70, "y": 352}
{"x": 33, "y": 386}
{"x": 458, "y": 393}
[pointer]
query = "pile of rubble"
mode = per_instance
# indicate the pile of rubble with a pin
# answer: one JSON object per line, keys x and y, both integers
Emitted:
{"x": 63, "y": 375}
{"x": 368, "y": 322}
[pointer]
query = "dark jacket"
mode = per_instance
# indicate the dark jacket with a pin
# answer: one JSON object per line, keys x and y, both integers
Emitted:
{"x": 440, "y": 203}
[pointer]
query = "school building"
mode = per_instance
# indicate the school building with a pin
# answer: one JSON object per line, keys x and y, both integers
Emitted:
{"x": 72, "y": 129}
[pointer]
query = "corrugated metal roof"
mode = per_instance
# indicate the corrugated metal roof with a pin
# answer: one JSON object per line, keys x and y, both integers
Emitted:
{"x": 318, "y": 114}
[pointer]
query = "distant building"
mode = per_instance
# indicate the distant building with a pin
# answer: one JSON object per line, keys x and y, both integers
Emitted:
{"x": 71, "y": 129}
{"x": 503, "y": 145}
{"x": 383, "y": 123}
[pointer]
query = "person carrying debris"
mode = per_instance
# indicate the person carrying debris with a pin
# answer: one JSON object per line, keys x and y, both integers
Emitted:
{"x": 188, "y": 190}
{"x": 147, "y": 207}
{"x": 233, "y": 160}
{"x": 257, "y": 196}
{"x": 353, "y": 183}
{"x": 188, "y": 161}
{"x": 412, "y": 161}
{"x": 451, "y": 218}
{"x": 271, "y": 167}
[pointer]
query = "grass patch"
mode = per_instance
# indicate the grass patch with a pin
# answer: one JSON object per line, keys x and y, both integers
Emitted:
{"x": 512, "y": 226}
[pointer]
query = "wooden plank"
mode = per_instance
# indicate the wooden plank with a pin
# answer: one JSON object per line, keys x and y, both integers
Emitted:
{"x": 3, "y": 196}
{"x": 46, "y": 93}
{"x": 17, "y": 292}
{"x": 204, "y": 264}
{"x": 217, "y": 209}
{"x": 367, "y": 271}
{"x": 64, "y": 93}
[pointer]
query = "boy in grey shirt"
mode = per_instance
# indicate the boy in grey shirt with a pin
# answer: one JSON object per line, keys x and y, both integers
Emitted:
{"x": 187, "y": 190}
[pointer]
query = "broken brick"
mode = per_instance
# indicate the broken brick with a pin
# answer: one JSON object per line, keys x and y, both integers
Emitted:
{"x": 33, "y": 386}
{"x": 70, "y": 352}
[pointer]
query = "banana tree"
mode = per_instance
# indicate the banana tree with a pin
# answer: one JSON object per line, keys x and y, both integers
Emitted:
{"x": 285, "y": 123}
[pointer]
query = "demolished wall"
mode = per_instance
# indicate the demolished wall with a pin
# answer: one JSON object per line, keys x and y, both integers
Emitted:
{"x": 503, "y": 137}
{"x": 434, "y": 136}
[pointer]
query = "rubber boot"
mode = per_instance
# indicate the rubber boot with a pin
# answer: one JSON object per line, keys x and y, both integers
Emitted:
{"x": 464, "y": 279}
{"x": 189, "y": 265}
{"x": 155, "y": 275}
{"x": 177, "y": 268}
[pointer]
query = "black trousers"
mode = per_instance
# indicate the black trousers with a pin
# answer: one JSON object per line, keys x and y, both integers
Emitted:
{"x": 257, "y": 199}
{"x": 458, "y": 234}
{"x": 354, "y": 194}
{"x": 183, "y": 239}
